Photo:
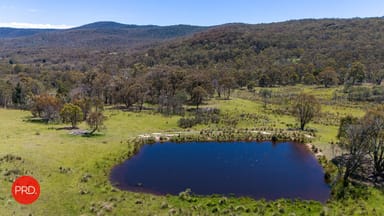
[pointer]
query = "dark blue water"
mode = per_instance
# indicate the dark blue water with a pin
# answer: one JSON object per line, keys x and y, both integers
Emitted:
{"x": 254, "y": 169}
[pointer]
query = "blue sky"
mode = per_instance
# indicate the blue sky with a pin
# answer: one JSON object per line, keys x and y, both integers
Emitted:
{"x": 68, "y": 13}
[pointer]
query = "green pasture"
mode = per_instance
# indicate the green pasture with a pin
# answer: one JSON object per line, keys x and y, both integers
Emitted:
{"x": 73, "y": 170}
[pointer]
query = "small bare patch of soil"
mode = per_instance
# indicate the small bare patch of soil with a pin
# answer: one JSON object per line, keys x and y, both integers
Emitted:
{"x": 78, "y": 132}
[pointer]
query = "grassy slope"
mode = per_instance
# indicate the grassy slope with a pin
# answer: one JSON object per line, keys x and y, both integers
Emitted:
{"x": 44, "y": 150}
{"x": 43, "y": 154}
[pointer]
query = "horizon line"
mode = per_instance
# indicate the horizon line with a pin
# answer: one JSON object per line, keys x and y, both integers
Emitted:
{"x": 25, "y": 25}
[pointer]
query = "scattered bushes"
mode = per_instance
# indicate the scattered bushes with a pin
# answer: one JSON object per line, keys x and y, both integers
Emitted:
{"x": 231, "y": 134}
{"x": 202, "y": 116}
{"x": 359, "y": 93}
{"x": 363, "y": 93}
{"x": 327, "y": 118}
{"x": 10, "y": 158}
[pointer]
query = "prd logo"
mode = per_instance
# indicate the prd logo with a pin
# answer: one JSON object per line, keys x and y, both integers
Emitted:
{"x": 26, "y": 190}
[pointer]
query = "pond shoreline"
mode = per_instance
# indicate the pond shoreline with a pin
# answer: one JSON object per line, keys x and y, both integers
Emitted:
{"x": 229, "y": 135}
{"x": 139, "y": 186}
{"x": 232, "y": 135}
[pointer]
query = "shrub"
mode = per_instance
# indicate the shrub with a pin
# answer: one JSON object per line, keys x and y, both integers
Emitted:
{"x": 359, "y": 93}
{"x": 71, "y": 113}
{"x": 186, "y": 122}
{"x": 187, "y": 195}
{"x": 202, "y": 116}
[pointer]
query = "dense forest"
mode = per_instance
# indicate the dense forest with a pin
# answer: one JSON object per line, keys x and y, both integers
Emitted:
{"x": 304, "y": 51}
{"x": 111, "y": 63}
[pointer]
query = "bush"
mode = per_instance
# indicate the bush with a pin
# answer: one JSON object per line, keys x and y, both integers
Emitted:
{"x": 378, "y": 90}
{"x": 274, "y": 138}
{"x": 359, "y": 93}
{"x": 71, "y": 113}
{"x": 378, "y": 94}
{"x": 202, "y": 116}
{"x": 187, "y": 195}
{"x": 186, "y": 122}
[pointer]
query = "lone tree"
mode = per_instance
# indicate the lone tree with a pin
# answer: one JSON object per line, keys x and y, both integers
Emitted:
{"x": 359, "y": 139}
{"x": 374, "y": 119}
{"x": 356, "y": 73}
{"x": 345, "y": 123}
{"x": 328, "y": 77}
{"x": 71, "y": 113}
{"x": 265, "y": 94}
{"x": 355, "y": 144}
{"x": 127, "y": 95}
{"x": 95, "y": 121}
{"x": 305, "y": 107}
{"x": 227, "y": 82}
{"x": 378, "y": 76}
{"x": 198, "y": 95}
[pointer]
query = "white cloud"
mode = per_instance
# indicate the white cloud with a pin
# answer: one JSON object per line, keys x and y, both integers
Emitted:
{"x": 33, "y": 25}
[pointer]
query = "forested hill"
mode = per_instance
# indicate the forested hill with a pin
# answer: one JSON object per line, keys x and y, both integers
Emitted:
{"x": 107, "y": 55}
{"x": 16, "y": 32}
{"x": 98, "y": 61}
{"x": 281, "y": 53}
{"x": 94, "y": 36}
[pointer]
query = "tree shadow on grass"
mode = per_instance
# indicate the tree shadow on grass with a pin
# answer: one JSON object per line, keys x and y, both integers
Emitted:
{"x": 67, "y": 128}
{"x": 95, "y": 135}
{"x": 133, "y": 108}
{"x": 36, "y": 120}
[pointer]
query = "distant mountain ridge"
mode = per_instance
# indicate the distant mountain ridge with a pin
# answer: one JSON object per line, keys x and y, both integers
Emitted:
{"x": 98, "y": 35}
{"x": 104, "y": 24}
{"x": 299, "y": 47}
{"x": 6, "y": 32}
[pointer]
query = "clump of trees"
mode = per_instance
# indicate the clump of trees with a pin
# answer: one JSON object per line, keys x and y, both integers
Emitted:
{"x": 305, "y": 107}
{"x": 375, "y": 122}
{"x": 52, "y": 108}
{"x": 46, "y": 107}
{"x": 328, "y": 77}
{"x": 201, "y": 116}
{"x": 365, "y": 93}
{"x": 363, "y": 143}
{"x": 356, "y": 74}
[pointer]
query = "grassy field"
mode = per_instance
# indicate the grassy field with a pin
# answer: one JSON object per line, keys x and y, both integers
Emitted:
{"x": 73, "y": 170}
